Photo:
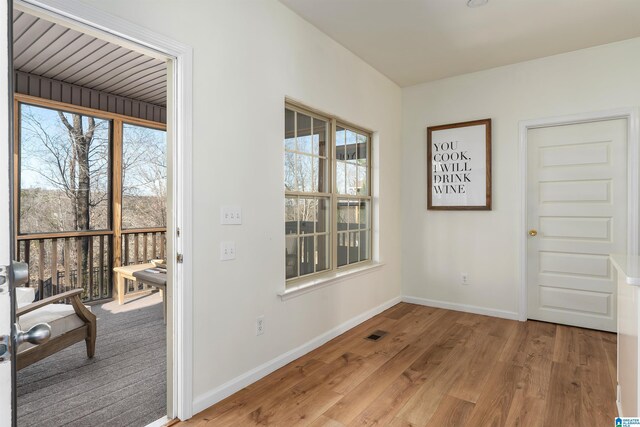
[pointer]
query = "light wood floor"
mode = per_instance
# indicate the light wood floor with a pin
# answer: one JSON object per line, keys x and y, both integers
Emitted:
{"x": 437, "y": 368}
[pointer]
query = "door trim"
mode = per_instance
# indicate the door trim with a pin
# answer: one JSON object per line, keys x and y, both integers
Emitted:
{"x": 633, "y": 186}
{"x": 179, "y": 118}
{"x": 8, "y": 369}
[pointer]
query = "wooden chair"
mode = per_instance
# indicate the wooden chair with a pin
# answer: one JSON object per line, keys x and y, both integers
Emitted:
{"x": 70, "y": 323}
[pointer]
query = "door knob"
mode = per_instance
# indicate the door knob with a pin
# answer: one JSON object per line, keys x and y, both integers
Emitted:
{"x": 533, "y": 233}
{"x": 37, "y": 334}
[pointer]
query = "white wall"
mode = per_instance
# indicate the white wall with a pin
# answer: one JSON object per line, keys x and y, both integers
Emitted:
{"x": 438, "y": 246}
{"x": 249, "y": 55}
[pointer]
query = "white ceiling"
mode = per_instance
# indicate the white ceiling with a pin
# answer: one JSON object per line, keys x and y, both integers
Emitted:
{"x": 56, "y": 52}
{"x": 414, "y": 41}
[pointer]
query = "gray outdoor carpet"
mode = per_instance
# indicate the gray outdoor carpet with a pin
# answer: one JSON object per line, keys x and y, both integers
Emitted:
{"x": 123, "y": 385}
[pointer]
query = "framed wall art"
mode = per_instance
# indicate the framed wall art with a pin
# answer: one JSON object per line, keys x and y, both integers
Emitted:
{"x": 459, "y": 166}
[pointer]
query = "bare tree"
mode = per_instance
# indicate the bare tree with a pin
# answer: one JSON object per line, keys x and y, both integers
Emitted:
{"x": 64, "y": 158}
{"x": 69, "y": 156}
{"x": 78, "y": 184}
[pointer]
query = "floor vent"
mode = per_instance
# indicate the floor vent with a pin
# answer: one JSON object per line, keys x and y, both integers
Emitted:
{"x": 376, "y": 335}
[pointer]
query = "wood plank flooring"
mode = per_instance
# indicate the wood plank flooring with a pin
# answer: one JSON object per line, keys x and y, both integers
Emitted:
{"x": 437, "y": 368}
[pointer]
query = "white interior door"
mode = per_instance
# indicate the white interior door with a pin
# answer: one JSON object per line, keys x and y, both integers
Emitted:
{"x": 577, "y": 205}
{"x": 5, "y": 234}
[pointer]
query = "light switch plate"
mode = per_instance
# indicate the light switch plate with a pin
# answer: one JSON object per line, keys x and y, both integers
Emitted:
{"x": 227, "y": 251}
{"x": 230, "y": 215}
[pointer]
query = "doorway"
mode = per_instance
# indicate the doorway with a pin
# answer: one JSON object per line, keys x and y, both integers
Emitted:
{"x": 90, "y": 198}
{"x": 579, "y": 208}
{"x": 178, "y": 56}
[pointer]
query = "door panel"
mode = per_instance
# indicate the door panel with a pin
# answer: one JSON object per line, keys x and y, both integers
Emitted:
{"x": 568, "y": 155}
{"x": 5, "y": 211}
{"x": 576, "y": 191}
{"x": 577, "y": 228}
{"x": 577, "y": 203}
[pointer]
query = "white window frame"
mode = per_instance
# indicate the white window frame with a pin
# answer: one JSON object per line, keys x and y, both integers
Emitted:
{"x": 332, "y": 194}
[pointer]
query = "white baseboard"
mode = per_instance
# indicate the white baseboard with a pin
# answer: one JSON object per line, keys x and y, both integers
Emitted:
{"x": 619, "y": 401}
{"x": 512, "y": 315}
{"x": 159, "y": 423}
{"x": 212, "y": 397}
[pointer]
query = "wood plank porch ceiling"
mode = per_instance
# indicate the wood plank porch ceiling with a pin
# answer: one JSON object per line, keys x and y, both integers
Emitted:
{"x": 56, "y": 52}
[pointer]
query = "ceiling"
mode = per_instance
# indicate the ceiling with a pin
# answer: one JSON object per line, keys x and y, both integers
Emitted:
{"x": 56, "y": 52}
{"x": 414, "y": 41}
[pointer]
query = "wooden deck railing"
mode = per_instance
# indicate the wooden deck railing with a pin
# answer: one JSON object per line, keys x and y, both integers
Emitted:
{"x": 138, "y": 247}
{"x": 141, "y": 245}
{"x": 55, "y": 259}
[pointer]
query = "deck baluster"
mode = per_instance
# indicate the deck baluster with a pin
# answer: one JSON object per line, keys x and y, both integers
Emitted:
{"x": 154, "y": 243}
{"x": 125, "y": 260}
{"x": 136, "y": 248}
{"x": 41, "y": 269}
{"x": 90, "y": 272}
{"x": 144, "y": 247}
{"x": 67, "y": 264}
{"x": 79, "y": 278}
{"x": 27, "y": 259}
{"x": 54, "y": 267}
{"x": 101, "y": 291}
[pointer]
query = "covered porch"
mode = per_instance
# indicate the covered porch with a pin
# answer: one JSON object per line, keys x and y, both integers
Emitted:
{"x": 90, "y": 176}
{"x": 123, "y": 384}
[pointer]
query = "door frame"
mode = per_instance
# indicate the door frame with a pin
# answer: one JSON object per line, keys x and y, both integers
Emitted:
{"x": 7, "y": 369}
{"x": 179, "y": 120}
{"x": 632, "y": 115}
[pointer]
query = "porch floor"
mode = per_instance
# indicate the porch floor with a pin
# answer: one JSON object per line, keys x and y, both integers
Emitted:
{"x": 124, "y": 384}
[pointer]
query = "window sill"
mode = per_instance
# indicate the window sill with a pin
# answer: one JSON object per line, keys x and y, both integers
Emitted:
{"x": 326, "y": 280}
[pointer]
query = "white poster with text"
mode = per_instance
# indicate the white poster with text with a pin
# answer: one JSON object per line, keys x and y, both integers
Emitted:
{"x": 459, "y": 166}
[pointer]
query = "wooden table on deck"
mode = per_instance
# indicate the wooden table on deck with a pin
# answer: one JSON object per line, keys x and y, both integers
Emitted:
{"x": 136, "y": 272}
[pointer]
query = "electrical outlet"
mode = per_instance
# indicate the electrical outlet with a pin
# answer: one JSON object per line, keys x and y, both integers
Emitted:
{"x": 231, "y": 215}
{"x": 227, "y": 251}
{"x": 464, "y": 278}
{"x": 260, "y": 325}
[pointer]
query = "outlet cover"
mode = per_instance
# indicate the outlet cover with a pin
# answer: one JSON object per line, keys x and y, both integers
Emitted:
{"x": 260, "y": 325}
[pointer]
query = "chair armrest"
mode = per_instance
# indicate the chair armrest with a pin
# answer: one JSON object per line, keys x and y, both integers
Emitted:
{"x": 39, "y": 304}
{"x": 82, "y": 311}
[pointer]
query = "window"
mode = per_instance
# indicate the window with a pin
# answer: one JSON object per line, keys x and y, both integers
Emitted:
{"x": 63, "y": 171}
{"x": 144, "y": 177}
{"x": 90, "y": 194}
{"x": 327, "y": 193}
